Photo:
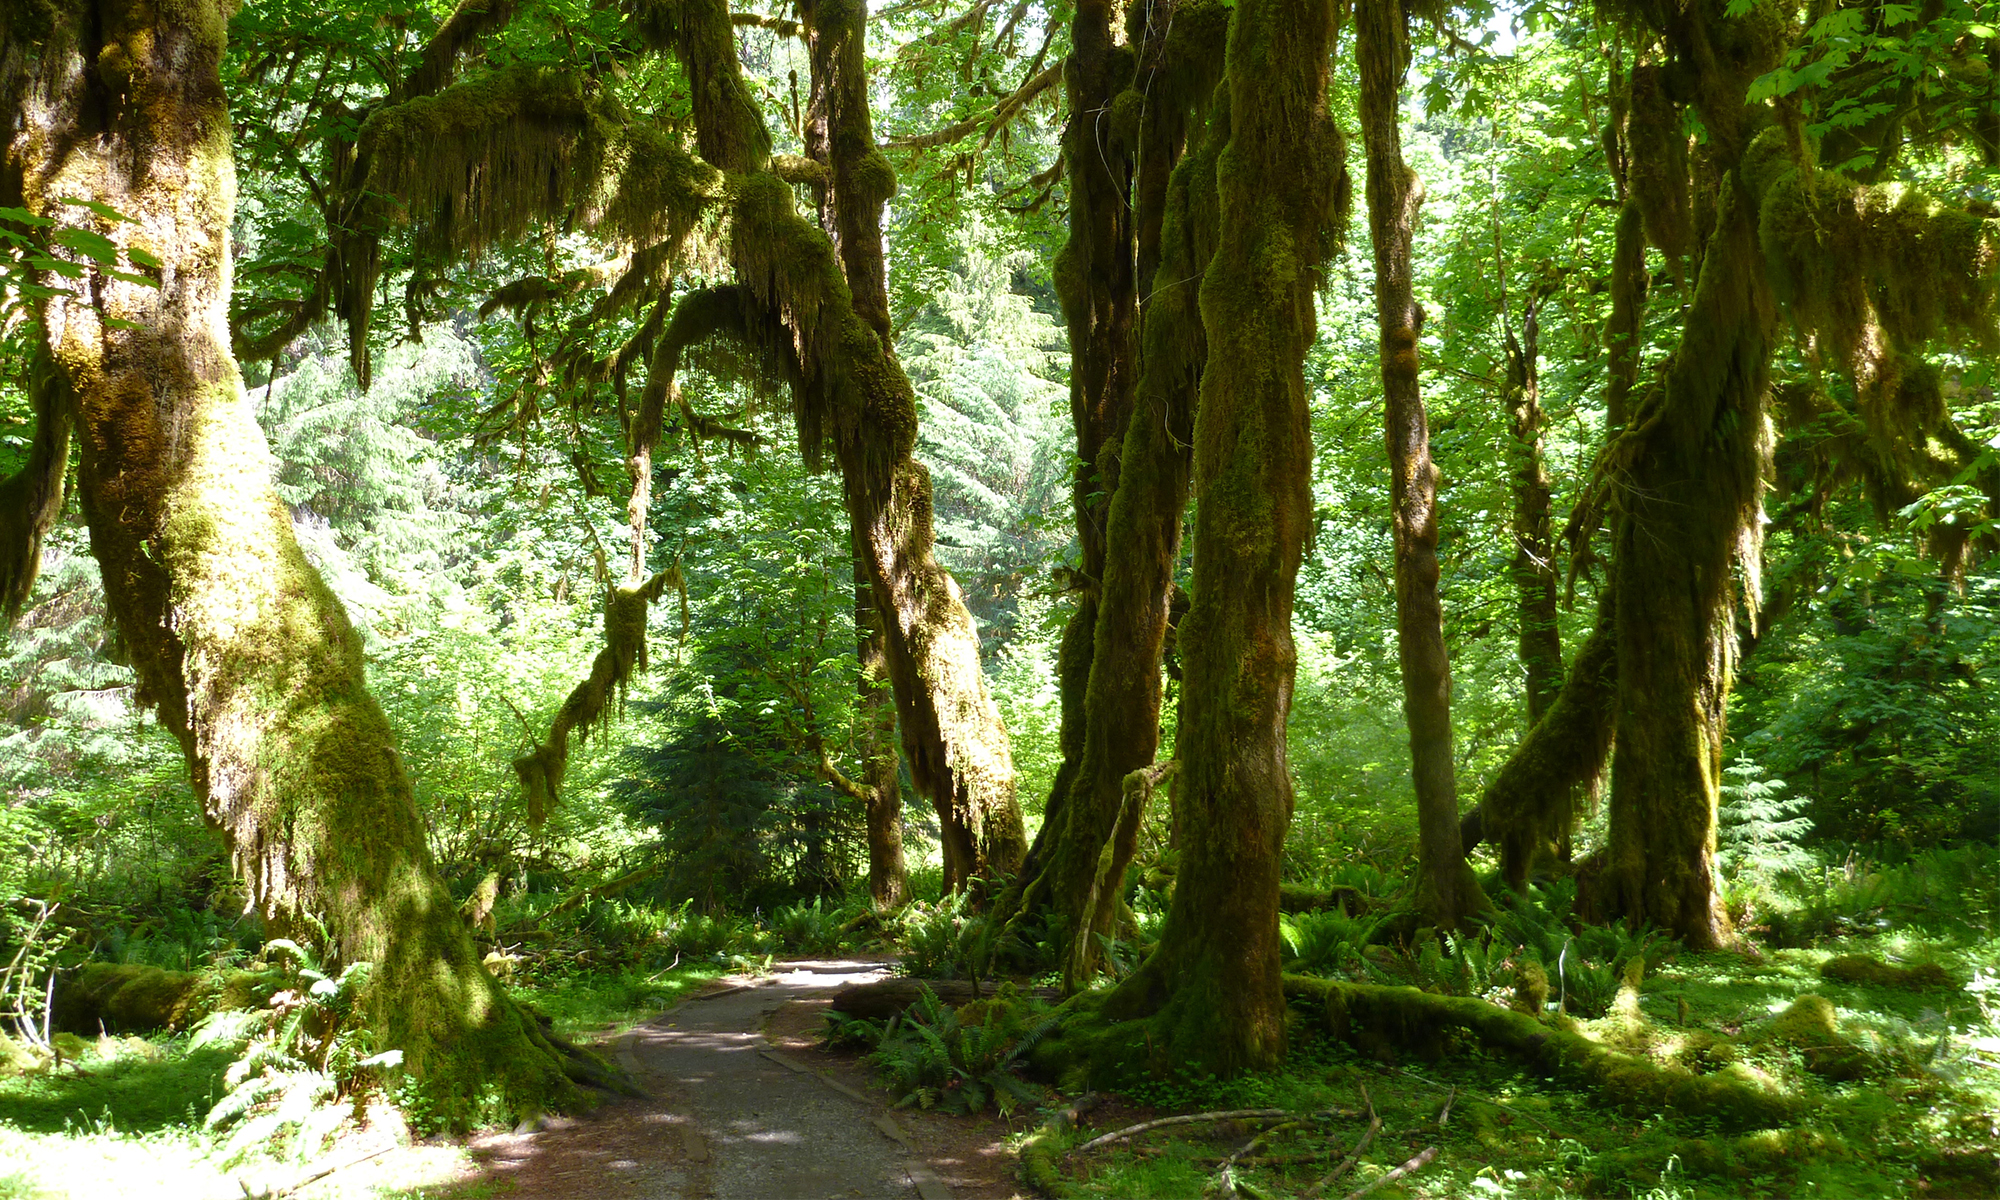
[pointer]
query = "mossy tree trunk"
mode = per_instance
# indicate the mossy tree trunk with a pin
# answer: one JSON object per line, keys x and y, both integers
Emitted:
{"x": 816, "y": 300}
{"x": 1539, "y": 641}
{"x": 879, "y": 788}
{"x": 1688, "y": 510}
{"x": 1211, "y": 988}
{"x": 239, "y": 645}
{"x": 1446, "y": 889}
{"x": 1141, "y": 532}
{"x": 1097, "y": 285}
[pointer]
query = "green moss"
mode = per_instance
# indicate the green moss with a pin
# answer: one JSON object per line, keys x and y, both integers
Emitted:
{"x": 1873, "y": 972}
{"x": 1808, "y": 1025}
{"x": 1388, "y": 1019}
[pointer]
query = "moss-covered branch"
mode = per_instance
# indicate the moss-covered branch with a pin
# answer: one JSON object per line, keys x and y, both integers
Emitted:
{"x": 589, "y": 703}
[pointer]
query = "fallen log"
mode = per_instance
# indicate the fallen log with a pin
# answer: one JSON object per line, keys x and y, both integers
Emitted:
{"x": 888, "y": 997}
{"x": 1378, "y": 1019}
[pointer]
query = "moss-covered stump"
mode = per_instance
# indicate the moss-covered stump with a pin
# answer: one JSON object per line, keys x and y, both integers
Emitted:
{"x": 1809, "y": 1027}
{"x": 1389, "y": 1020}
{"x": 1873, "y": 972}
{"x": 126, "y": 998}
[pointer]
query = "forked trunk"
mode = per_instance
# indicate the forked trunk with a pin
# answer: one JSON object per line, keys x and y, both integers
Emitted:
{"x": 1212, "y": 986}
{"x": 237, "y": 642}
{"x": 1446, "y": 889}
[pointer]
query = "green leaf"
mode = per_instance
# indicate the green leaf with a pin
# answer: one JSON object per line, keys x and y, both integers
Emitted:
{"x": 145, "y": 258}
{"x": 89, "y": 244}
{"x": 21, "y": 216}
{"x": 99, "y": 207}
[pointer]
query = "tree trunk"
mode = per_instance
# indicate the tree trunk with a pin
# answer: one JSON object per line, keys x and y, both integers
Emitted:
{"x": 1532, "y": 802}
{"x": 247, "y": 656}
{"x": 875, "y": 718}
{"x": 1213, "y": 983}
{"x": 1139, "y": 545}
{"x": 1446, "y": 889}
{"x": 818, "y": 303}
{"x": 1688, "y": 515}
{"x": 1540, "y": 640}
{"x": 1096, "y": 285}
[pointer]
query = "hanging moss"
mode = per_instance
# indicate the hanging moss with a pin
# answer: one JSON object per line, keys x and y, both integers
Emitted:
{"x": 590, "y": 703}
{"x": 480, "y": 161}
{"x": 661, "y": 191}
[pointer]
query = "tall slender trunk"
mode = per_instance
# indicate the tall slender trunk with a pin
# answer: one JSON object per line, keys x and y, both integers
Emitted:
{"x": 1540, "y": 638}
{"x": 1097, "y": 287}
{"x": 247, "y": 656}
{"x": 1121, "y": 713}
{"x": 817, "y": 303}
{"x": 1446, "y": 890}
{"x": 875, "y": 719}
{"x": 1213, "y": 982}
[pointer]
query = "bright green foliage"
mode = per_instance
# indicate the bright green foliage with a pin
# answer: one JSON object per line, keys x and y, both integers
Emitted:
{"x": 932, "y": 1056}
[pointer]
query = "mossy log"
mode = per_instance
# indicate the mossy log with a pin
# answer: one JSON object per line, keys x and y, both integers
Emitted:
{"x": 886, "y": 998}
{"x": 1302, "y": 898}
{"x": 129, "y": 998}
{"x": 1392, "y": 1020}
{"x": 1873, "y": 972}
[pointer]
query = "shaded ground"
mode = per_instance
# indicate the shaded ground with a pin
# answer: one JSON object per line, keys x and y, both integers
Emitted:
{"x": 733, "y": 1115}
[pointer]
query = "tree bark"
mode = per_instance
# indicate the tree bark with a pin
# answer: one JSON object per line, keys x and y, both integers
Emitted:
{"x": 239, "y": 645}
{"x": 1446, "y": 889}
{"x": 1212, "y": 986}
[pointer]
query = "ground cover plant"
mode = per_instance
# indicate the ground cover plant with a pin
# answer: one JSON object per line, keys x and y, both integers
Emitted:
{"x": 1415, "y": 577}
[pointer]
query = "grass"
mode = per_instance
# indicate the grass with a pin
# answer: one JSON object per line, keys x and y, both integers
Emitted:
{"x": 588, "y": 1002}
{"x": 126, "y": 1120}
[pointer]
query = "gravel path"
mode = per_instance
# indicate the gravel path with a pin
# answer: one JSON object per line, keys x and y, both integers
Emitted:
{"x": 727, "y": 1116}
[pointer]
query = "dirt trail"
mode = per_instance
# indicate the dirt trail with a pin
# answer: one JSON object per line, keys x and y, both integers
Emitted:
{"x": 727, "y": 1116}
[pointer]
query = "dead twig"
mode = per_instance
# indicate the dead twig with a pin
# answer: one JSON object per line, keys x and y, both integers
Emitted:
{"x": 1235, "y": 1114}
{"x": 1409, "y": 1168}
{"x": 1360, "y": 1147}
{"x": 1445, "y": 1115}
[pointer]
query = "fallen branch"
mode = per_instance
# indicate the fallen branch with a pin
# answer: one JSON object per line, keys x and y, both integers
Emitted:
{"x": 1409, "y": 1168}
{"x": 1360, "y": 1147}
{"x": 1235, "y": 1114}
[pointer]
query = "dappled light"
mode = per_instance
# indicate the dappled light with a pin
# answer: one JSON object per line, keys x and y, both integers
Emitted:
{"x": 953, "y": 598}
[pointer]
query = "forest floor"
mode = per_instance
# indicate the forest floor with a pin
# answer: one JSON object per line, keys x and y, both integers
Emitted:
{"x": 741, "y": 1104}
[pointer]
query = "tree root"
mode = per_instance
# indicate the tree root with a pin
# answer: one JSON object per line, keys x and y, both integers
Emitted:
{"x": 1387, "y": 1019}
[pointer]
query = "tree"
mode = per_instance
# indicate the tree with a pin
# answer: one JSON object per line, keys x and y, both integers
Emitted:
{"x": 1211, "y": 989}
{"x": 1446, "y": 890}
{"x": 120, "y": 138}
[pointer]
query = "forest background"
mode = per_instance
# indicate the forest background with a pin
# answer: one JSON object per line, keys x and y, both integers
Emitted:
{"x": 468, "y": 509}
